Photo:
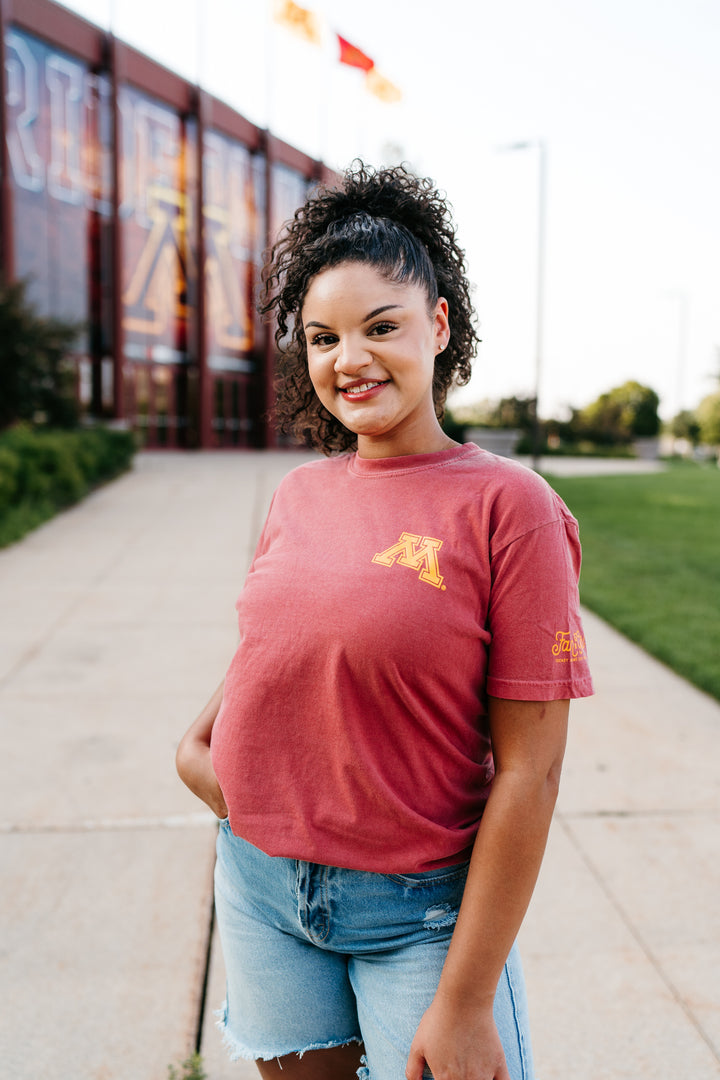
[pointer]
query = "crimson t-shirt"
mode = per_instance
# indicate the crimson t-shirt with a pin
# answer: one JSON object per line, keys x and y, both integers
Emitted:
{"x": 386, "y": 599}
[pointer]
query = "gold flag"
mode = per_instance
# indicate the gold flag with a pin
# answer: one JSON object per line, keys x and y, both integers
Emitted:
{"x": 302, "y": 22}
{"x": 381, "y": 87}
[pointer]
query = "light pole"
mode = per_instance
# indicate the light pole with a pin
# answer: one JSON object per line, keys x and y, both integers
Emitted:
{"x": 540, "y": 146}
{"x": 683, "y": 308}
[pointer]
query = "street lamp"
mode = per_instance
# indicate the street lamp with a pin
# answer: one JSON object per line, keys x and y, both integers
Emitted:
{"x": 683, "y": 307}
{"x": 540, "y": 146}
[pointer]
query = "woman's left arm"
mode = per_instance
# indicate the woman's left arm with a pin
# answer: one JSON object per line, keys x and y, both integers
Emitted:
{"x": 457, "y": 1035}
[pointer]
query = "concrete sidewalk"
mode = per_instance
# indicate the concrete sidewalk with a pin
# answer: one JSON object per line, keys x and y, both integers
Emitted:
{"x": 117, "y": 624}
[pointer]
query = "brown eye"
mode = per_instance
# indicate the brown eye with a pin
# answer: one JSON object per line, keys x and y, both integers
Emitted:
{"x": 320, "y": 340}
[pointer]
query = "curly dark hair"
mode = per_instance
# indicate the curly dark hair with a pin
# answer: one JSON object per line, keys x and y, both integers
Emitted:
{"x": 394, "y": 221}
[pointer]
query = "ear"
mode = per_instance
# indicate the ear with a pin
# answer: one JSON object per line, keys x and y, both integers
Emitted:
{"x": 441, "y": 324}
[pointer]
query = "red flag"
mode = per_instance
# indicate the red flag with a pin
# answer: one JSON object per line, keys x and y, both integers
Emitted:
{"x": 350, "y": 54}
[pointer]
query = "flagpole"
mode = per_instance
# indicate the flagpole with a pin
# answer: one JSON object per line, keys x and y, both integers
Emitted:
{"x": 314, "y": 29}
{"x": 323, "y": 143}
{"x": 200, "y": 40}
{"x": 269, "y": 68}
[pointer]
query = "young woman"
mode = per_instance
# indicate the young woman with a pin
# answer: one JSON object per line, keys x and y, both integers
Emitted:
{"x": 385, "y": 751}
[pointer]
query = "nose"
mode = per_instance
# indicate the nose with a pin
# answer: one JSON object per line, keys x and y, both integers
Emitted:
{"x": 352, "y": 357}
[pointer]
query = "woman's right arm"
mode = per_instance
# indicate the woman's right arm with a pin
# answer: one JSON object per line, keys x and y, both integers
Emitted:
{"x": 193, "y": 761}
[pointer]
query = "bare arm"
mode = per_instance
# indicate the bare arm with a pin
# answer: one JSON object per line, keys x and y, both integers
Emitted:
{"x": 193, "y": 761}
{"x": 457, "y": 1035}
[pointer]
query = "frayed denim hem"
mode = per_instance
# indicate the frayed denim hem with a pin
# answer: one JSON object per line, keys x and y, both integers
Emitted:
{"x": 237, "y": 1050}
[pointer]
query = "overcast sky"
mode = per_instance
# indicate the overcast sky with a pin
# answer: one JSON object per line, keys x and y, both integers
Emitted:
{"x": 624, "y": 94}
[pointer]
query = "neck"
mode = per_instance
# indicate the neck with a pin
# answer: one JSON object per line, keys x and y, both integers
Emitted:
{"x": 370, "y": 447}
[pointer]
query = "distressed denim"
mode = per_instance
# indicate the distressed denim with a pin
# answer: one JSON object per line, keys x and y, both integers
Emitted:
{"x": 318, "y": 956}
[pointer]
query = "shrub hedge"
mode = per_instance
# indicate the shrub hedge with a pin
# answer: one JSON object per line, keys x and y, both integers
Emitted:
{"x": 43, "y": 471}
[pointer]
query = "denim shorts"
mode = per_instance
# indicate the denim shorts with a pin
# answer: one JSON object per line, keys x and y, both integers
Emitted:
{"x": 318, "y": 956}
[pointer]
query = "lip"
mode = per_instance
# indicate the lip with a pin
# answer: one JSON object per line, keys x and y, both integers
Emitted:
{"x": 351, "y": 391}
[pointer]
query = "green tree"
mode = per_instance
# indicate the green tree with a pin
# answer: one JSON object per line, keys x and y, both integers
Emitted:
{"x": 708, "y": 415}
{"x": 686, "y": 426}
{"x": 622, "y": 414}
{"x": 511, "y": 412}
{"x": 515, "y": 412}
{"x": 37, "y": 378}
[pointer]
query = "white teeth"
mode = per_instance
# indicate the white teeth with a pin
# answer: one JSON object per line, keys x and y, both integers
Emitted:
{"x": 359, "y": 389}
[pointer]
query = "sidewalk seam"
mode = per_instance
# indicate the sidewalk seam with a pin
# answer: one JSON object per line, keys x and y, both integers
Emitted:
{"x": 636, "y": 935}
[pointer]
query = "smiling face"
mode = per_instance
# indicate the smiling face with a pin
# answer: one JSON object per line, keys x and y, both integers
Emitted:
{"x": 371, "y": 348}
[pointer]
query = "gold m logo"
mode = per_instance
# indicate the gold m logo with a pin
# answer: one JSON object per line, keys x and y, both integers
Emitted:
{"x": 417, "y": 552}
{"x": 157, "y": 291}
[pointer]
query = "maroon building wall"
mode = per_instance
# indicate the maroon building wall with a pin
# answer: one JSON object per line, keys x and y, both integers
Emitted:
{"x": 140, "y": 207}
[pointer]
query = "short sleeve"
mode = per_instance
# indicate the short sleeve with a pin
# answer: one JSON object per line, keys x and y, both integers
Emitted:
{"x": 537, "y": 650}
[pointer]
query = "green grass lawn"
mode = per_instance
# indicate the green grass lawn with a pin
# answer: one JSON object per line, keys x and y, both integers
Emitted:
{"x": 651, "y": 561}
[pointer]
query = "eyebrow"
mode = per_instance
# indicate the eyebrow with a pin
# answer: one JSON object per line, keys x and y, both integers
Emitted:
{"x": 372, "y": 315}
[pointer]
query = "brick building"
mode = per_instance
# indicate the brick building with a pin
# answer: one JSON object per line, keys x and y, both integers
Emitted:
{"x": 140, "y": 206}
